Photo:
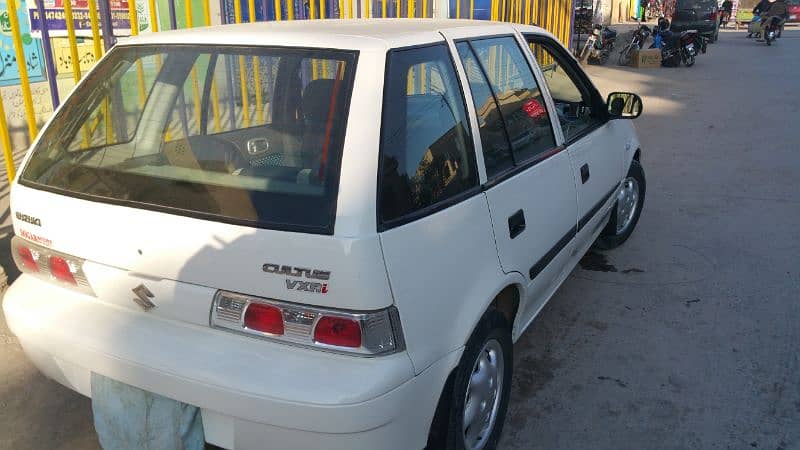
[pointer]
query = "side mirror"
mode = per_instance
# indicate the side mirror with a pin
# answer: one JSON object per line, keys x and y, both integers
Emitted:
{"x": 624, "y": 105}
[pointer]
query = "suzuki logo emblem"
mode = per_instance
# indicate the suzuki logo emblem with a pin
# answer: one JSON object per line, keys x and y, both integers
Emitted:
{"x": 143, "y": 296}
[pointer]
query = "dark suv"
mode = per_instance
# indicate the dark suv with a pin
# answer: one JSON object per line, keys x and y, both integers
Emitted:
{"x": 700, "y": 15}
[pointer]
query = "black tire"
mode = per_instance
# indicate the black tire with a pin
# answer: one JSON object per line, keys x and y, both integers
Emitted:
{"x": 611, "y": 238}
{"x": 625, "y": 56}
{"x": 689, "y": 60}
{"x": 492, "y": 327}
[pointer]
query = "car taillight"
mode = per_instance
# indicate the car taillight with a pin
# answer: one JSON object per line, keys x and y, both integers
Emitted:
{"x": 264, "y": 318}
{"x": 361, "y": 333}
{"x": 340, "y": 331}
{"x": 50, "y": 265}
{"x": 27, "y": 259}
{"x": 60, "y": 270}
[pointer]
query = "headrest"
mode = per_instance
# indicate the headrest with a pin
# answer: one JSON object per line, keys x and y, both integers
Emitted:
{"x": 317, "y": 99}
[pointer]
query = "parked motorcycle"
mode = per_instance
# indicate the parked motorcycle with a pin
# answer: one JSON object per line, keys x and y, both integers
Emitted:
{"x": 677, "y": 48}
{"x": 637, "y": 42}
{"x": 599, "y": 45}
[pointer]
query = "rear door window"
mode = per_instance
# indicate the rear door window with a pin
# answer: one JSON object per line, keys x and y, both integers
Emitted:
{"x": 510, "y": 107}
{"x": 427, "y": 156}
{"x": 238, "y": 134}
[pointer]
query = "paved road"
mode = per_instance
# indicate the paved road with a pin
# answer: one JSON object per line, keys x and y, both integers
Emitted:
{"x": 687, "y": 337}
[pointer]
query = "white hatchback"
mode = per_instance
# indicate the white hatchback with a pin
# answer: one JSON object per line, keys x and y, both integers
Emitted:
{"x": 322, "y": 234}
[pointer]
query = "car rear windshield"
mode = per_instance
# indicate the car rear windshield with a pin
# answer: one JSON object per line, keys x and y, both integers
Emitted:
{"x": 696, "y": 4}
{"x": 237, "y": 134}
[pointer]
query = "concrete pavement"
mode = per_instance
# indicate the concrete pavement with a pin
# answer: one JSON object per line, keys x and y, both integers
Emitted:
{"x": 686, "y": 337}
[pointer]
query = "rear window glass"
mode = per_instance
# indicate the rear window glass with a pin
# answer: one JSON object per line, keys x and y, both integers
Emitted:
{"x": 696, "y": 4}
{"x": 246, "y": 135}
{"x": 426, "y": 148}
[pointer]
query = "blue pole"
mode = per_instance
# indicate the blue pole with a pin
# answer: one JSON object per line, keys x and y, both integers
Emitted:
{"x": 48, "y": 55}
{"x": 105, "y": 24}
{"x": 173, "y": 21}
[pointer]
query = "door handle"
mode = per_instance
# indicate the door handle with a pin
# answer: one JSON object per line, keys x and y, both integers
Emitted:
{"x": 584, "y": 173}
{"x": 516, "y": 224}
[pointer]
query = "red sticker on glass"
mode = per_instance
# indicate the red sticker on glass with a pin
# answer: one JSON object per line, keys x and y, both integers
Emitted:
{"x": 534, "y": 109}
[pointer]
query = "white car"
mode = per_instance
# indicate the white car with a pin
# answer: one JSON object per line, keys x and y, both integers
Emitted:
{"x": 322, "y": 234}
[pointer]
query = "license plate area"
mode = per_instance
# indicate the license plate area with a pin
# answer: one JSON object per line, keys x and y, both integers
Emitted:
{"x": 126, "y": 416}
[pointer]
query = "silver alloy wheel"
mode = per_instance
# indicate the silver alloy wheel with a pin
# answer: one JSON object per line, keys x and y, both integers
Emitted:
{"x": 627, "y": 202}
{"x": 484, "y": 391}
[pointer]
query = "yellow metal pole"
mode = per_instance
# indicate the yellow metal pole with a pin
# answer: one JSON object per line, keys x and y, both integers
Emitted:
{"x": 237, "y": 17}
{"x": 93, "y": 20}
{"x": 23, "y": 69}
{"x": 341, "y": 9}
{"x": 187, "y": 10}
{"x": 206, "y": 13}
{"x": 215, "y": 105}
{"x": 312, "y": 9}
{"x": 153, "y": 14}
{"x": 322, "y": 9}
{"x": 73, "y": 45}
{"x": 245, "y": 98}
{"x": 351, "y": 12}
{"x": 458, "y": 9}
{"x": 383, "y": 8}
{"x": 139, "y": 68}
{"x": 289, "y": 10}
{"x": 278, "y": 10}
{"x": 425, "y": 8}
{"x": 409, "y": 8}
{"x": 251, "y": 4}
{"x": 134, "y": 18}
{"x": 11, "y": 172}
{"x": 214, "y": 95}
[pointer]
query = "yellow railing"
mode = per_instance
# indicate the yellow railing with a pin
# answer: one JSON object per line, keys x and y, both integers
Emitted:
{"x": 554, "y": 15}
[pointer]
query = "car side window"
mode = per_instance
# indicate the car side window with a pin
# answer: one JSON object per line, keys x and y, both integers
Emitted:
{"x": 426, "y": 148}
{"x": 577, "y": 112}
{"x": 515, "y": 99}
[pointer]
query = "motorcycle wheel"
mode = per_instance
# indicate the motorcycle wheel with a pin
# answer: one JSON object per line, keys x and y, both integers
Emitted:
{"x": 769, "y": 41}
{"x": 749, "y": 35}
{"x": 689, "y": 60}
{"x": 625, "y": 56}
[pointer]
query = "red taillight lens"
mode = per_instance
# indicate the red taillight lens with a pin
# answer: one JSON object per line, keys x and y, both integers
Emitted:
{"x": 60, "y": 270}
{"x": 26, "y": 259}
{"x": 338, "y": 331}
{"x": 264, "y": 318}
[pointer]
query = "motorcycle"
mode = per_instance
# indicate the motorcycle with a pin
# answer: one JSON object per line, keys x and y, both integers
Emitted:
{"x": 599, "y": 45}
{"x": 677, "y": 48}
{"x": 681, "y": 48}
{"x": 773, "y": 30}
{"x": 636, "y": 43}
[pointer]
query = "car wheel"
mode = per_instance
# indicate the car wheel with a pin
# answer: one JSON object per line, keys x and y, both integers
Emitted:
{"x": 481, "y": 386}
{"x": 626, "y": 211}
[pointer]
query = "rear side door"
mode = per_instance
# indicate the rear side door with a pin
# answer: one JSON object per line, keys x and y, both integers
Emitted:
{"x": 595, "y": 144}
{"x": 529, "y": 183}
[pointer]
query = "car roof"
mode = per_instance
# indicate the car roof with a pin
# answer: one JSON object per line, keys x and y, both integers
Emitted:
{"x": 354, "y": 34}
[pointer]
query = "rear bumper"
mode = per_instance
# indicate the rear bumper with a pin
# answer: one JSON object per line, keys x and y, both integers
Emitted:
{"x": 250, "y": 391}
{"x": 704, "y": 28}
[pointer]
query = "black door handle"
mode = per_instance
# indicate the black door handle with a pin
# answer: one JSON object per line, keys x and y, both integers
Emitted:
{"x": 516, "y": 224}
{"x": 584, "y": 173}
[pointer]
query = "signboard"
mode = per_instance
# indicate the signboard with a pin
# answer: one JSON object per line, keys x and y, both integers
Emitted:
{"x": 57, "y": 23}
{"x": 34, "y": 61}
